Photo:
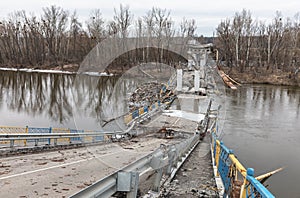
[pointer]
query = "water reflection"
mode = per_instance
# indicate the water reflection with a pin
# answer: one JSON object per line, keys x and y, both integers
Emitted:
{"x": 262, "y": 126}
{"x": 71, "y": 101}
{"x": 53, "y": 99}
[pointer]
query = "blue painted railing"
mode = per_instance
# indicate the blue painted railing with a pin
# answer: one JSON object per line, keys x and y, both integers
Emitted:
{"x": 228, "y": 168}
{"x": 35, "y": 130}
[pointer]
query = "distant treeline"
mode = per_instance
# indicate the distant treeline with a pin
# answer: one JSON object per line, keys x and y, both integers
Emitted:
{"x": 58, "y": 37}
{"x": 248, "y": 44}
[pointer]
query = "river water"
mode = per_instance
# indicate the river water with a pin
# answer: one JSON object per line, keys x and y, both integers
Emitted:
{"x": 263, "y": 128}
{"x": 262, "y": 123}
{"x": 55, "y": 100}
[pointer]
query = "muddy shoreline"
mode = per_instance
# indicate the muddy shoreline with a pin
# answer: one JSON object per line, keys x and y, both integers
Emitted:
{"x": 249, "y": 76}
{"x": 252, "y": 76}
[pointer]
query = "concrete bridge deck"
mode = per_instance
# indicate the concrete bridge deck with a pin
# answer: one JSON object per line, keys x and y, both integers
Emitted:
{"x": 63, "y": 173}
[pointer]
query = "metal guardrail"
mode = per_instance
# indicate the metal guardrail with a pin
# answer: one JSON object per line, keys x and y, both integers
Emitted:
{"x": 164, "y": 161}
{"x": 127, "y": 179}
{"x": 25, "y": 135}
{"x": 53, "y": 137}
{"x": 228, "y": 168}
{"x": 146, "y": 111}
{"x": 129, "y": 118}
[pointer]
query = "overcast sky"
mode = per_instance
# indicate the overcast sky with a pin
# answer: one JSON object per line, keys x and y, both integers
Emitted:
{"x": 208, "y": 14}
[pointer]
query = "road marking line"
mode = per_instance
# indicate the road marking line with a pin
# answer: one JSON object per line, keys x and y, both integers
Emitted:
{"x": 43, "y": 169}
{"x": 65, "y": 164}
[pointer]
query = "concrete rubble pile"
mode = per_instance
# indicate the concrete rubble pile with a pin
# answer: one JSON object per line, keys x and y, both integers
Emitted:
{"x": 146, "y": 95}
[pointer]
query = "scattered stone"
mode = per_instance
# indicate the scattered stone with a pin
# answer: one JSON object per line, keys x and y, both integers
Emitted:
{"x": 80, "y": 186}
{"x": 57, "y": 159}
{"x": 4, "y": 166}
{"x": 42, "y": 163}
{"x": 128, "y": 148}
{"x": 4, "y": 172}
{"x": 176, "y": 181}
{"x": 193, "y": 190}
{"x": 87, "y": 183}
{"x": 194, "y": 179}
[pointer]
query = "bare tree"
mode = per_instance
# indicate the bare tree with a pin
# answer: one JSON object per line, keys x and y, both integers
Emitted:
{"x": 187, "y": 27}
{"x": 225, "y": 42}
{"x": 74, "y": 32}
{"x": 54, "y": 25}
{"x": 123, "y": 19}
{"x": 95, "y": 25}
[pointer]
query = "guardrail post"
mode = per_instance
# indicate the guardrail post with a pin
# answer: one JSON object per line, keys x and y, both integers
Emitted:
{"x": 158, "y": 162}
{"x": 12, "y": 143}
{"x": 158, "y": 176}
{"x": 50, "y": 131}
{"x": 26, "y": 131}
{"x": 128, "y": 182}
{"x": 134, "y": 185}
{"x": 171, "y": 157}
{"x": 69, "y": 130}
{"x": 36, "y": 141}
{"x": 250, "y": 172}
{"x": 55, "y": 141}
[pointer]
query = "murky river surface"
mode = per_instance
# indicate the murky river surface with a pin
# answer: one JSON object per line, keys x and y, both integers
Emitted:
{"x": 60, "y": 100}
{"x": 263, "y": 128}
{"x": 262, "y": 122}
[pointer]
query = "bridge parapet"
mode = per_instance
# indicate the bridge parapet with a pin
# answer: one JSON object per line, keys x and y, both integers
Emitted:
{"x": 228, "y": 169}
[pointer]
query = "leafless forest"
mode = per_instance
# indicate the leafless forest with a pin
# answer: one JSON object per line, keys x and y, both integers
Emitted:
{"x": 58, "y": 37}
{"x": 248, "y": 44}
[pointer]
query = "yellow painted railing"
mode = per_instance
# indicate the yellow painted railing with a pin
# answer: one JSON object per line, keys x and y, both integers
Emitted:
{"x": 50, "y": 130}
{"x": 228, "y": 169}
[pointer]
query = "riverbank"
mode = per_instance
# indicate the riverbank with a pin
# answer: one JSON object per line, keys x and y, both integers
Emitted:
{"x": 250, "y": 76}
{"x": 262, "y": 76}
{"x": 67, "y": 69}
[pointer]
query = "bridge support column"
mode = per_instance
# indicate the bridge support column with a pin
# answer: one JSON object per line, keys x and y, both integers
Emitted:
{"x": 179, "y": 80}
{"x": 197, "y": 80}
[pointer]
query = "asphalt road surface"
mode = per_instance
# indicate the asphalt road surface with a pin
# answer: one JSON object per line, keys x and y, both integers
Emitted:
{"x": 63, "y": 173}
